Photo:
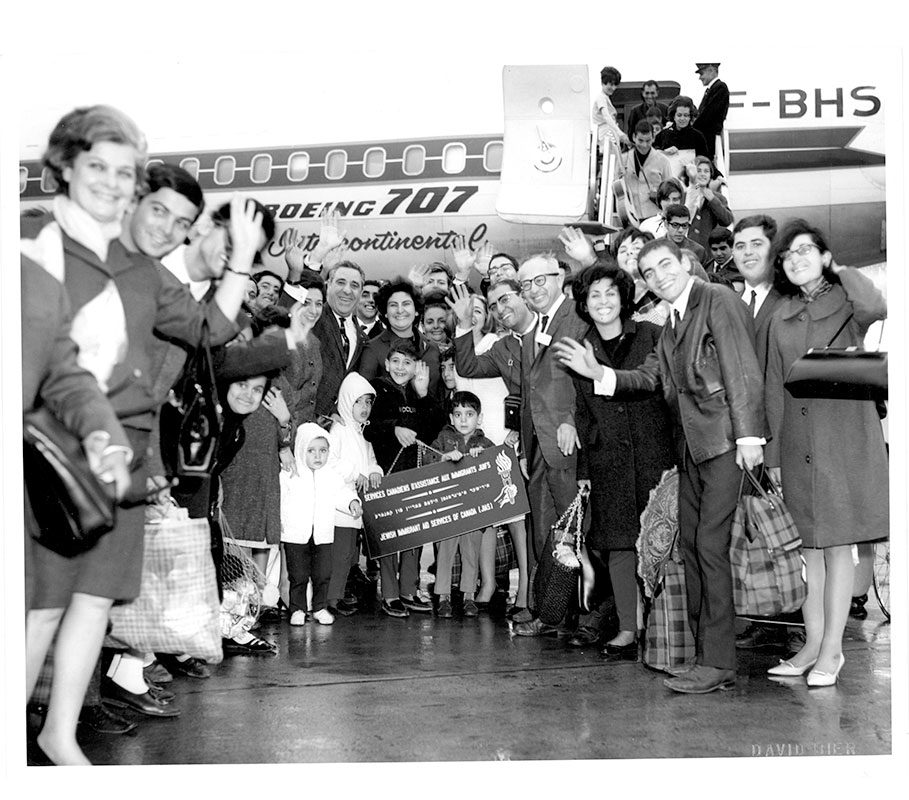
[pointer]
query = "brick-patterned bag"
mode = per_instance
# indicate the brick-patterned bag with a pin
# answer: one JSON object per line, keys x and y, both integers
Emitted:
{"x": 768, "y": 569}
{"x": 669, "y": 642}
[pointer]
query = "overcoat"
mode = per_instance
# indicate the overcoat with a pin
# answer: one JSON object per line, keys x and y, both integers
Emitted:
{"x": 831, "y": 452}
{"x": 625, "y": 443}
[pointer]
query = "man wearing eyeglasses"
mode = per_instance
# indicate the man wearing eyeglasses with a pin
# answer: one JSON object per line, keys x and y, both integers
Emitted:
{"x": 678, "y": 220}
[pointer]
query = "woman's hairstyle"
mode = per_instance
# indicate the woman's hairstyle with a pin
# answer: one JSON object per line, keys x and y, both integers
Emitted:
{"x": 622, "y": 281}
{"x": 312, "y": 280}
{"x": 399, "y": 284}
{"x": 667, "y": 187}
{"x": 78, "y": 131}
{"x": 610, "y": 75}
{"x": 630, "y": 233}
{"x": 222, "y": 216}
{"x": 436, "y": 299}
{"x": 682, "y": 101}
{"x": 782, "y": 243}
{"x": 489, "y": 324}
{"x": 704, "y": 160}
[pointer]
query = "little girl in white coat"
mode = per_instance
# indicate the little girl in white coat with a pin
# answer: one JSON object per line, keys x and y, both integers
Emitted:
{"x": 311, "y": 494}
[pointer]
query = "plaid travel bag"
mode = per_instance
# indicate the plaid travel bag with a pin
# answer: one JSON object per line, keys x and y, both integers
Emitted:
{"x": 668, "y": 640}
{"x": 768, "y": 569}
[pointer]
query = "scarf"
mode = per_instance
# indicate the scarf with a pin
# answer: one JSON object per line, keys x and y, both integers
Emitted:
{"x": 819, "y": 291}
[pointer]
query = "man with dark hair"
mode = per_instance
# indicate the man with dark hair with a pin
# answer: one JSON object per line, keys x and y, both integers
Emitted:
{"x": 438, "y": 279}
{"x": 721, "y": 267}
{"x": 368, "y": 312}
{"x": 678, "y": 219}
{"x": 712, "y": 382}
{"x": 644, "y": 170}
{"x": 713, "y": 107}
{"x": 270, "y": 285}
{"x": 649, "y": 92}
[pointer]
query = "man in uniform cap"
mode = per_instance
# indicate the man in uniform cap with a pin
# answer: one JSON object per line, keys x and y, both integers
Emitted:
{"x": 714, "y": 105}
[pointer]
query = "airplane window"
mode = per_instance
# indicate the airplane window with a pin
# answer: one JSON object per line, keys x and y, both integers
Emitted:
{"x": 224, "y": 169}
{"x": 152, "y": 161}
{"x": 492, "y": 156}
{"x": 191, "y": 165}
{"x": 23, "y": 179}
{"x": 335, "y": 164}
{"x": 374, "y": 162}
{"x": 48, "y": 184}
{"x": 298, "y": 167}
{"x": 260, "y": 169}
{"x": 414, "y": 159}
{"x": 454, "y": 158}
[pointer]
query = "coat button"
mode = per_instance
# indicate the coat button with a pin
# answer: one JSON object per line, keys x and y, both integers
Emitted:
{"x": 808, "y": 459}
{"x": 621, "y": 409}
{"x": 804, "y": 411}
{"x": 803, "y": 316}
{"x": 137, "y": 373}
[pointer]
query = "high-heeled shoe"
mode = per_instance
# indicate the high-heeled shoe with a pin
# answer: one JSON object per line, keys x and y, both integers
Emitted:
{"x": 787, "y": 669}
{"x": 819, "y": 678}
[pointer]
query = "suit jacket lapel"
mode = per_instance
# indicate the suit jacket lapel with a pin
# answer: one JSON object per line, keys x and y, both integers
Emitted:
{"x": 693, "y": 299}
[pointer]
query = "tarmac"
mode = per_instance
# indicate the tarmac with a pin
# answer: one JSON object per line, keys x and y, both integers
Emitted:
{"x": 375, "y": 689}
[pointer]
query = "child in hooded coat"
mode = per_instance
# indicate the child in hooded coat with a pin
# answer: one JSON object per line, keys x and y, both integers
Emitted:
{"x": 309, "y": 501}
{"x": 355, "y": 460}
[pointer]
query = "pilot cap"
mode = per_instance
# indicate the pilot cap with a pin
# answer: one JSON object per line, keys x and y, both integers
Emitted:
{"x": 701, "y": 67}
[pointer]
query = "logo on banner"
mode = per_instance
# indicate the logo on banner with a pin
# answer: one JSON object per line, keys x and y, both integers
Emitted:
{"x": 509, "y": 491}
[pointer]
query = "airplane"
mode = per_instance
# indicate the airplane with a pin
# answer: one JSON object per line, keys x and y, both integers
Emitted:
{"x": 803, "y": 140}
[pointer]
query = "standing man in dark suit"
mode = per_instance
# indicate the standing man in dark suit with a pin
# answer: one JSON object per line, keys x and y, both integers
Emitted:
{"x": 714, "y": 105}
{"x": 712, "y": 383}
{"x": 368, "y": 312}
{"x": 649, "y": 92}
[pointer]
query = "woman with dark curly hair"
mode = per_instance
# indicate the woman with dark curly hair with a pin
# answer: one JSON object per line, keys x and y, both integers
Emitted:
{"x": 827, "y": 454}
{"x": 681, "y": 136}
{"x": 625, "y": 444}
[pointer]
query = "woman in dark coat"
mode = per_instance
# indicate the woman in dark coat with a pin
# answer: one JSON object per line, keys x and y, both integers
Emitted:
{"x": 828, "y": 454}
{"x": 625, "y": 444}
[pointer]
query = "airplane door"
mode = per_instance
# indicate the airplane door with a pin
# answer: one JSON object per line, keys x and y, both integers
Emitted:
{"x": 546, "y": 162}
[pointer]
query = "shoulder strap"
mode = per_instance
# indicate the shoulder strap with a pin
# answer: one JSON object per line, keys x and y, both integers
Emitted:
{"x": 839, "y": 331}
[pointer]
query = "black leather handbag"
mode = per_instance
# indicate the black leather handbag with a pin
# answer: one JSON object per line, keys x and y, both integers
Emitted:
{"x": 555, "y": 578}
{"x": 512, "y": 405}
{"x": 842, "y": 373}
{"x": 71, "y": 507}
{"x": 191, "y": 417}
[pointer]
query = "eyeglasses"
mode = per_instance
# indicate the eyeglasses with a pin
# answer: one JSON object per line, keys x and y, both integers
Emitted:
{"x": 539, "y": 280}
{"x": 494, "y": 304}
{"x": 802, "y": 250}
{"x": 678, "y": 226}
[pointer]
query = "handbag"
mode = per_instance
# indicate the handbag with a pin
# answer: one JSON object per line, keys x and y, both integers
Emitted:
{"x": 765, "y": 553}
{"x": 841, "y": 373}
{"x": 512, "y": 405}
{"x": 177, "y": 610}
{"x": 70, "y": 505}
{"x": 191, "y": 417}
{"x": 556, "y": 574}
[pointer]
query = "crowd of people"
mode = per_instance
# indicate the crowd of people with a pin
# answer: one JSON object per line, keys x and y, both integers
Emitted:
{"x": 600, "y": 368}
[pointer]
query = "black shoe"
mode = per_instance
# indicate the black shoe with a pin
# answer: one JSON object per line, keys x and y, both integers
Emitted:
{"x": 620, "y": 652}
{"x": 857, "y": 608}
{"x": 157, "y": 673}
{"x": 270, "y": 614}
{"x": 514, "y": 611}
{"x": 416, "y": 604}
{"x": 535, "y": 628}
{"x": 115, "y": 695}
{"x": 191, "y": 668}
{"x": 162, "y": 695}
{"x": 345, "y": 608}
{"x": 254, "y": 647}
{"x": 103, "y": 720}
{"x": 584, "y": 637}
{"x": 445, "y": 611}
{"x": 471, "y": 609}
{"x": 395, "y": 608}
{"x": 762, "y": 637}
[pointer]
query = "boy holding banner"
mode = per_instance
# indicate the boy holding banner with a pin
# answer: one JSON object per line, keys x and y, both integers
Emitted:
{"x": 461, "y": 437}
{"x": 403, "y": 413}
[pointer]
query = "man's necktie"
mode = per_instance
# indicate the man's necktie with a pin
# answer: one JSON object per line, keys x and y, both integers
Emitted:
{"x": 752, "y": 302}
{"x": 364, "y": 332}
{"x": 345, "y": 342}
{"x": 544, "y": 321}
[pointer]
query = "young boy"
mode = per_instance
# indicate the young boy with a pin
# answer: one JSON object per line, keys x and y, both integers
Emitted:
{"x": 460, "y": 438}
{"x": 447, "y": 365}
{"x": 311, "y": 494}
{"x": 403, "y": 412}
{"x": 355, "y": 460}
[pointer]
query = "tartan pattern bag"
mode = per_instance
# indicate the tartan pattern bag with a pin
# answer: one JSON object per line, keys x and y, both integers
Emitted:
{"x": 177, "y": 610}
{"x": 668, "y": 640}
{"x": 768, "y": 570}
{"x": 555, "y": 576}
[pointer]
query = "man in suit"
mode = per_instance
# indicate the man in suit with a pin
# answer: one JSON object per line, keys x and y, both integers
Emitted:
{"x": 714, "y": 105}
{"x": 367, "y": 311}
{"x": 339, "y": 335}
{"x": 678, "y": 221}
{"x": 712, "y": 383}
